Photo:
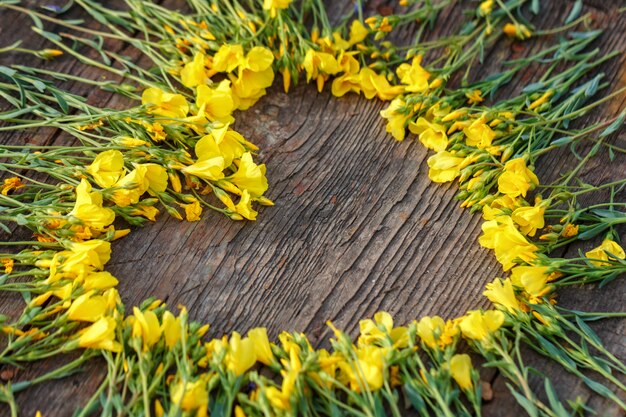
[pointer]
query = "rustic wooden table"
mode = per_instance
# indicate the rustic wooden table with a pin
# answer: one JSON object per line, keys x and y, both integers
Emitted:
{"x": 357, "y": 225}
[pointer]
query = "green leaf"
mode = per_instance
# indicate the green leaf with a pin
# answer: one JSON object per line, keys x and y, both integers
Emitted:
{"x": 598, "y": 387}
{"x": 592, "y": 86}
{"x": 555, "y": 404}
{"x": 21, "y": 220}
{"x": 36, "y": 21}
{"x": 414, "y": 397}
{"x": 588, "y": 331}
{"x": 9, "y": 72}
{"x": 62, "y": 103}
{"x": 593, "y": 232}
{"x": 526, "y": 404}
{"x": 48, "y": 35}
{"x": 562, "y": 141}
{"x": 39, "y": 86}
{"x": 5, "y": 228}
{"x": 531, "y": 88}
{"x": 555, "y": 353}
{"x": 535, "y": 6}
{"x": 379, "y": 408}
{"x": 576, "y": 9}
{"x": 609, "y": 278}
{"x": 98, "y": 16}
{"x": 614, "y": 126}
{"x": 609, "y": 214}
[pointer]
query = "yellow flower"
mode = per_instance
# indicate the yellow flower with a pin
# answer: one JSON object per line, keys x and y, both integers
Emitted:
{"x": 328, "y": 365}
{"x": 217, "y": 103}
{"x": 541, "y": 100}
{"x": 432, "y": 135}
{"x": 358, "y": 32}
{"x": 129, "y": 142}
{"x": 366, "y": 373}
{"x": 94, "y": 252}
{"x": 193, "y": 73}
{"x": 244, "y": 206}
{"x": 191, "y": 396}
{"x": 241, "y": 354}
{"x": 262, "y": 346}
{"x": 478, "y": 325}
{"x": 286, "y": 73}
{"x": 517, "y": 179}
{"x": 532, "y": 279}
{"x": 155, "y": 176}
{"x": 158, "y": 408}
{"x": 600, "y": 256}
{"x": 49, "y": 53}
{"x": 350, "y": 79}
{"x": 461, "y": 370}
{"x": 377, "y": 331}
{"x": 99, "y": 281}
{"x": 345, "y": 83}
{"x": 228, "y": 58}
{"x": 501, "y": 292}
{"x": 87, "y": 307}
{"x": 239, "y": 411}
{"x": 508, "y": 243}
{"x": 318, "y": 65}
{"x": 7, "y": 263}
{"x": 250, "y": 176}
{"x": 278, "y": 398}
{"x": 258, "y": 59}
{"x": 145, "y": 325}
{"x": 222, "y": 142}
{"x": 479, "y": 134}
{"x": 209, "y": 169}
{"x": 145, "y": 177}
{"x": 254, "y": 75}
{"x": 164, "y": 104}
{"x": 570, "y": 230}
{"x": 529, "y": 219}
{"x": 249, "y": 86}
{"x": 171, "y": 328}
{"x": 156, "y": 131}
{"x": 444, "y": 166}
{"x": 131, "y": 188}
{"x": 107, "y": 168}
{"x": 88, "y": 207}
{"x": 377, "y": 85}
{"x": 10, "y": 184}
{"x": 413, "y": 76}
{"x": 192, "y": 211}
{"x": 474, "y": 96}
{"x": 378, "y": 24}
{"x": 486, "y": 7}
{"x": 517, "y": 30}
{"x": 396, "y": 117}
{"x": 149, "y": 212}
{"x": 434, "y": 332}
{"x": 274, "y": 5}
{"x": 100, "y": 335}
{"x": 281, "y": 398}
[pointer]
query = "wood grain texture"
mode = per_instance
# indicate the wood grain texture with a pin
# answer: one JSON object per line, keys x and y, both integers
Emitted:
{"x": 357, "y": 226}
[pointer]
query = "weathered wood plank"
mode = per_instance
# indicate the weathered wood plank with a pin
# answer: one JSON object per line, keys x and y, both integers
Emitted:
{"x": 357, "y": 228}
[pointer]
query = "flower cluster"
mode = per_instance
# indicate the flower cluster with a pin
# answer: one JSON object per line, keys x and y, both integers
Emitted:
{"x": 178, "y": 151}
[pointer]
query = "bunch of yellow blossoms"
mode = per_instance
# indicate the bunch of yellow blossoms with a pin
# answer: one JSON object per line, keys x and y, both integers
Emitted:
{"x": 178, "y": 150}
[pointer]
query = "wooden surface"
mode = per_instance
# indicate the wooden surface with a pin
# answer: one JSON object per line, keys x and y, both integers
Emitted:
{"x": 357, "y": 226}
